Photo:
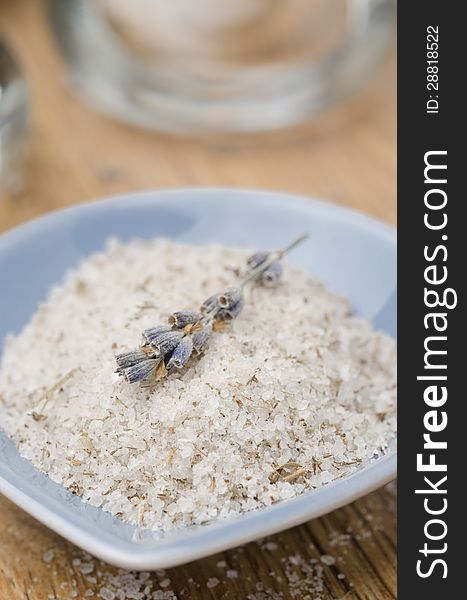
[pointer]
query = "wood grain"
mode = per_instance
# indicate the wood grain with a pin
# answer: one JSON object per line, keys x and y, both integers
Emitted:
{"x": 75, "y": 154}
{"x": 361, "y": 537}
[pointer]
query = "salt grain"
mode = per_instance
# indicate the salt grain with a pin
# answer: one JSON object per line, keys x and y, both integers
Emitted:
{"x": 48, "y": 556}
{"x": 212, "y": 582}
{"x": 86, "y": 568}
{"x": 271, "y": 546}
{"x": 295, "y": 380}
{"x": 106, "y": 594}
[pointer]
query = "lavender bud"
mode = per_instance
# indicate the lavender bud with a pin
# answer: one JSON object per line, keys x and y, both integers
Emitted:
{"x": 209, "y": 305}
{"x": 130, "y": 358}
{"x": 201, "y": 337}
{"x": 181, "y": 354}
{"x": 149, "y": 335}
{"x": 257, "y": 259}
{"x": 230, "y": 297}
{"x": 183, "y": 318}
{"x": 168, "y": 341}
{"x": 140, "y": 371}
{"x": 272, "y": 274}
{"x": 228, "y": 314}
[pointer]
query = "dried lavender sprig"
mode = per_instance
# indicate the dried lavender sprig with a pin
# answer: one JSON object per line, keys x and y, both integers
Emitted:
{"x": 141, "y": 370}
{"x": 130, "y": 358}
{"x": 181, "y": 354}
{"x": 273, "y": 257}
{"x": 201, "y": 337}
{"x": 169, "y": 347}
{"x": 256, "y": 259}
{"x": 182, "y": 318}
{"x": 260, "y": 263}
{"x": 228, "y": 314}
{"x": 230, "y": 297}
{"x": 209, "y": 304}
{"x": 272, "y": 274}
{"x": 167, "y": 342}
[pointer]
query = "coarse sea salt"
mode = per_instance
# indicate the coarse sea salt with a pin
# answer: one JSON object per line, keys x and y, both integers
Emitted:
{"x": 295, "y": 393}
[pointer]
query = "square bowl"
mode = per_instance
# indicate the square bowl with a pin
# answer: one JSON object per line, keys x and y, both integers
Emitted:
{"x": 353, "y": 254}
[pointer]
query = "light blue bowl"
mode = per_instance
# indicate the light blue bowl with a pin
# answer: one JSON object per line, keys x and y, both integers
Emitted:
{"x": 354, "y": 254}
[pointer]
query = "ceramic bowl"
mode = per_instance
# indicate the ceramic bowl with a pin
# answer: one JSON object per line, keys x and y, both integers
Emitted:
{"x": 354, "y": 254}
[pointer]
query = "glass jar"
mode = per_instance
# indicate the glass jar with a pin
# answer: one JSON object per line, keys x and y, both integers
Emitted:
{"x": 216, "y": 65}
{"x": 13, "y": 117}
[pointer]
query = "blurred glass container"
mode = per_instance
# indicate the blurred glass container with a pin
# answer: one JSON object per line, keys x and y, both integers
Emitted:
{"x": 201, "y": 66}
{"x": 13, "y": 117}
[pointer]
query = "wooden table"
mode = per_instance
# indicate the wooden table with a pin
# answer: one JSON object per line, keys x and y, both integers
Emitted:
{"x": 76, "y": 154}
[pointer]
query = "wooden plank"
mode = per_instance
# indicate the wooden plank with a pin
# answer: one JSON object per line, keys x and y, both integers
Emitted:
{"x": 74, "y": 155}
{"x": 36, "y": 563}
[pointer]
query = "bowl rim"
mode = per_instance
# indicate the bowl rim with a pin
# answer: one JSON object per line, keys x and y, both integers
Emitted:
{"x": 385, "y": 229}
